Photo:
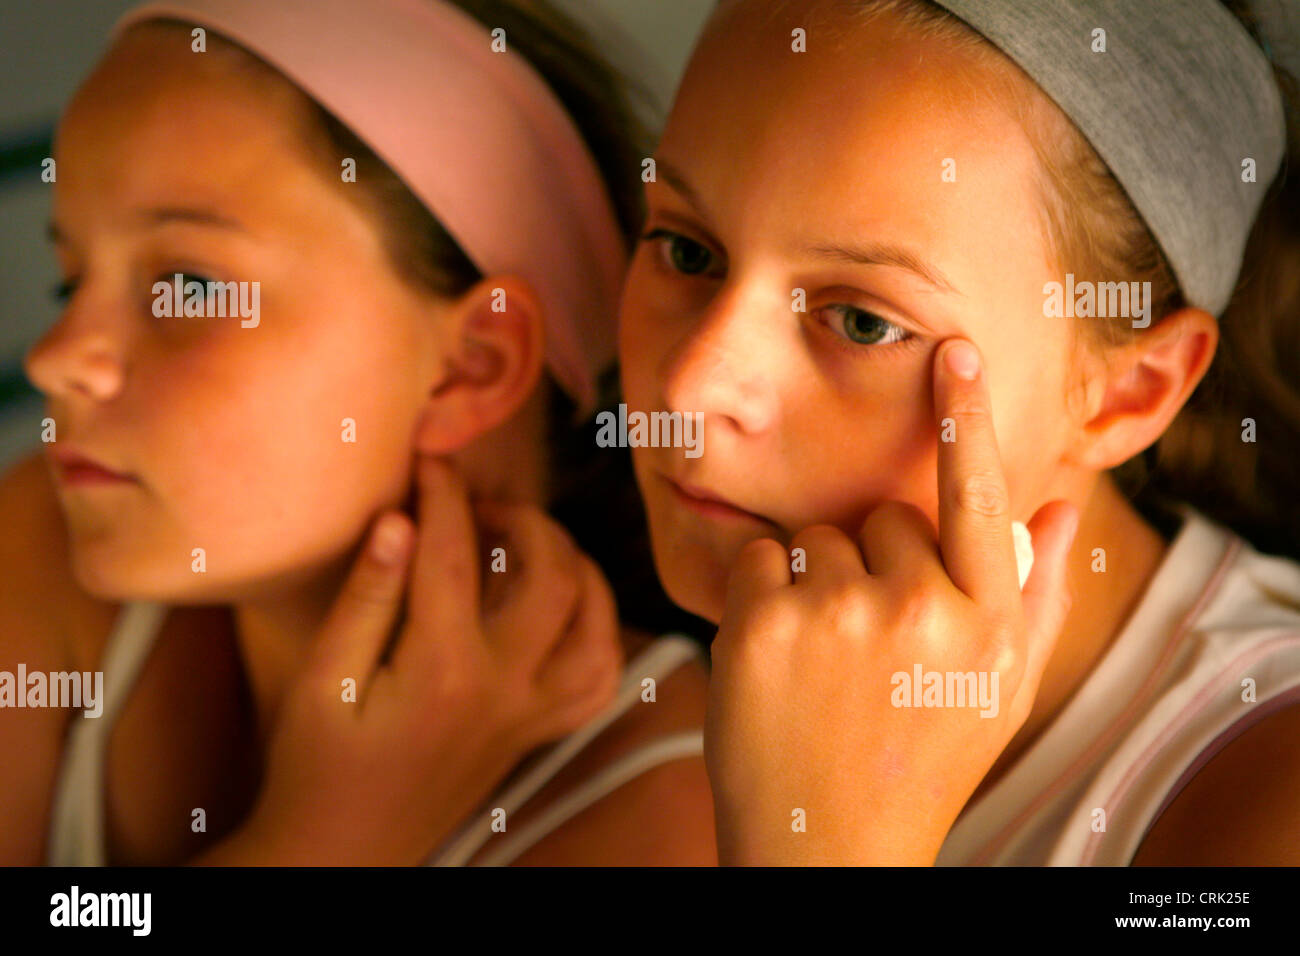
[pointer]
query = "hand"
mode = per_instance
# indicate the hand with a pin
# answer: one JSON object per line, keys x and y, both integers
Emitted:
{"x": 464, "y": 694}
{"x": 809, "y": 677}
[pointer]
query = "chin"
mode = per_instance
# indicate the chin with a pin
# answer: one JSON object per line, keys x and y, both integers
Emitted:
{"x": 111, "y": 582}
{"x": 693, "y": 582}
{"x": 119, "y": 578}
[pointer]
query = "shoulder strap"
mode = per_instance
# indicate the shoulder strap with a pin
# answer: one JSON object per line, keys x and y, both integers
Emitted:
{"x": 657, "y": 661}
{"x": 671, "y": 747}
{"x": 1209, "y": 716}
{"x": 77, "y": 821}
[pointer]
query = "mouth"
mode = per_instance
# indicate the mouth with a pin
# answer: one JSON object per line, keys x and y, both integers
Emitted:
{"x": 73, "y": 469}
{"x": 707, "y": 504}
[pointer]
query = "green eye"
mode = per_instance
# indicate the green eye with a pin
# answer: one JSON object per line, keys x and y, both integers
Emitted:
{"x": 866, "y": 328}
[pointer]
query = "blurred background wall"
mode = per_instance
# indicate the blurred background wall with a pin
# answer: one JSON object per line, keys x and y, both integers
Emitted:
{"x": 48, "y": 46}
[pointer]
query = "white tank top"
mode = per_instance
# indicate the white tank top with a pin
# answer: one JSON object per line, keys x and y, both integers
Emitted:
{"x": 77, "y": 836}
{"x": 1163, "y": 699}
{"x": 1168, "y": 694}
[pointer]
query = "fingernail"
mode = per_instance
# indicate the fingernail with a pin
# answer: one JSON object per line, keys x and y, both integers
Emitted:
{"x": 963, "y": 361}
{"x": 389, "y": 543}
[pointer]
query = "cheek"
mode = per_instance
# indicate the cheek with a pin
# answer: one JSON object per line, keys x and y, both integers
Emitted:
{"x": 849, "y": 448}
{"x": 642, "y": 341}
{"x": 274, "y": 454}
{"x": 1034, "y": 426}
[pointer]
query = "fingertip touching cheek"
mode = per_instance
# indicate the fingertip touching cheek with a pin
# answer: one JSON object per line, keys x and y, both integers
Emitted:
{"x": 254, "y": 449}
{"x": 801, "y": 263}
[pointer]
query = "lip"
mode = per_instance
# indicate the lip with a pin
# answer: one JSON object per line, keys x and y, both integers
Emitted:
{"x": 708, "y": 504}
{"x": 75, "y": 468}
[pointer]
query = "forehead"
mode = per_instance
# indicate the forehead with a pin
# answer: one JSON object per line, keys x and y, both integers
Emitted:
{"x": 155, "y": 115}
{"x": 852, "y": 135}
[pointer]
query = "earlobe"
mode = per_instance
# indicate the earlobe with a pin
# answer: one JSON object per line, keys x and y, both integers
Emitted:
{"x": 494, "y": 349}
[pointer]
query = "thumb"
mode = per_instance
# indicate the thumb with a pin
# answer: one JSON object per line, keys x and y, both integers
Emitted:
{"x": 359, "y": 624}
{"x": 1046, "y": 597}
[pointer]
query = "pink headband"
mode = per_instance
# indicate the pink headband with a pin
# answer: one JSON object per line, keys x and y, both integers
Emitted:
{"x": 476, "y": 135}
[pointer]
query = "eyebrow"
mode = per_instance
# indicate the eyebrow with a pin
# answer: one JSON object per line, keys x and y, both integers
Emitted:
{"x": 162, "y": 215}
{"x": 868, "y": 254}
{"x": 883, "y": 254}
{"x": 675, "y": 178}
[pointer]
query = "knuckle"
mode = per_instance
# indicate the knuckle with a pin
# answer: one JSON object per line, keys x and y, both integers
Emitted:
{"x": 918, "y": 612}
{"x": 981, "y": 492}
{"x": 457, "y": 686}
{"x": 540, "y": 530}
{"x": 554, "y": 560}
{"x": 605, "y": 662}
{"x": 775, "y": 617}
{"x": 848, "y": 608}
{"x": 603, "y": 684}
{"x": 591, "y": 685}
{"x": 1000, "y": 653}
{"x": 1008, "y": 663}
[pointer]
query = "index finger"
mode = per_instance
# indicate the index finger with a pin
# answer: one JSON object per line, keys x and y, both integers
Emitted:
{"x": 444, "y": 591}
{"x": 974, "y": 506}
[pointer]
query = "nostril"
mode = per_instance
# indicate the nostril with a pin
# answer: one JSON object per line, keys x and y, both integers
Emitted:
{"x": 57, "y": 365}
{"x": 33, "y": 368}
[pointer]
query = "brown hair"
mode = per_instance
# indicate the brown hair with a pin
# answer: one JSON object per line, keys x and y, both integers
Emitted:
{"x": 593, "y": 489}
{"x": 1092, "y": 225}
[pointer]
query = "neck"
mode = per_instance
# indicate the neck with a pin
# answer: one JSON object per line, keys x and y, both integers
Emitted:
{"x": 276, "y": 628}
{"x": 1102, "y": 604}
{"x": 275, "y": 631}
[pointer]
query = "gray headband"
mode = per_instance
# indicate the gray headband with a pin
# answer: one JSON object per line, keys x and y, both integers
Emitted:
{"x": 1180, "y": 99}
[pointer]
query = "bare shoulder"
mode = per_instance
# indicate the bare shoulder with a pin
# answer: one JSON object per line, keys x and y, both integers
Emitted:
{"x": 38, "y": 606}
{"x": 663, "y": 816}
{"x": 1240, "y": 809}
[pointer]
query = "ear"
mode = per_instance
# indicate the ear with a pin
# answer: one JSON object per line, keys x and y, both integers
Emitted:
{"x": 1136, "y": 390}
{"x": 493, "y": 356}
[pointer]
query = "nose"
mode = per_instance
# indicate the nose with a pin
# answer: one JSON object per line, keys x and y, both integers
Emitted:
{"x": 80, "y": 356}
{"x": 723, "y": 366}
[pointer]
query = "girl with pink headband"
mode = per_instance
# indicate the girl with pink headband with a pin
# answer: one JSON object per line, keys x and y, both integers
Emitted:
{"x": 305, "y": 544}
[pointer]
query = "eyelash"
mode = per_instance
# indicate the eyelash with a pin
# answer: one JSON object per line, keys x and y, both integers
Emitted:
{"x": 64, "y": 290}
{"x": 668, "y": 234}
{"x": 903, "y": 337}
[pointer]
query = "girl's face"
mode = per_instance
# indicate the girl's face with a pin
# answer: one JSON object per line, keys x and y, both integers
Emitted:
{"x": 880, "y": 175}
{"x": 170, "y": 161}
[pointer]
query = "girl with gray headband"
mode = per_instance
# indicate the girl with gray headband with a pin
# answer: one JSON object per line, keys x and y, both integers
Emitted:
{"x": 945, "y": 268}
